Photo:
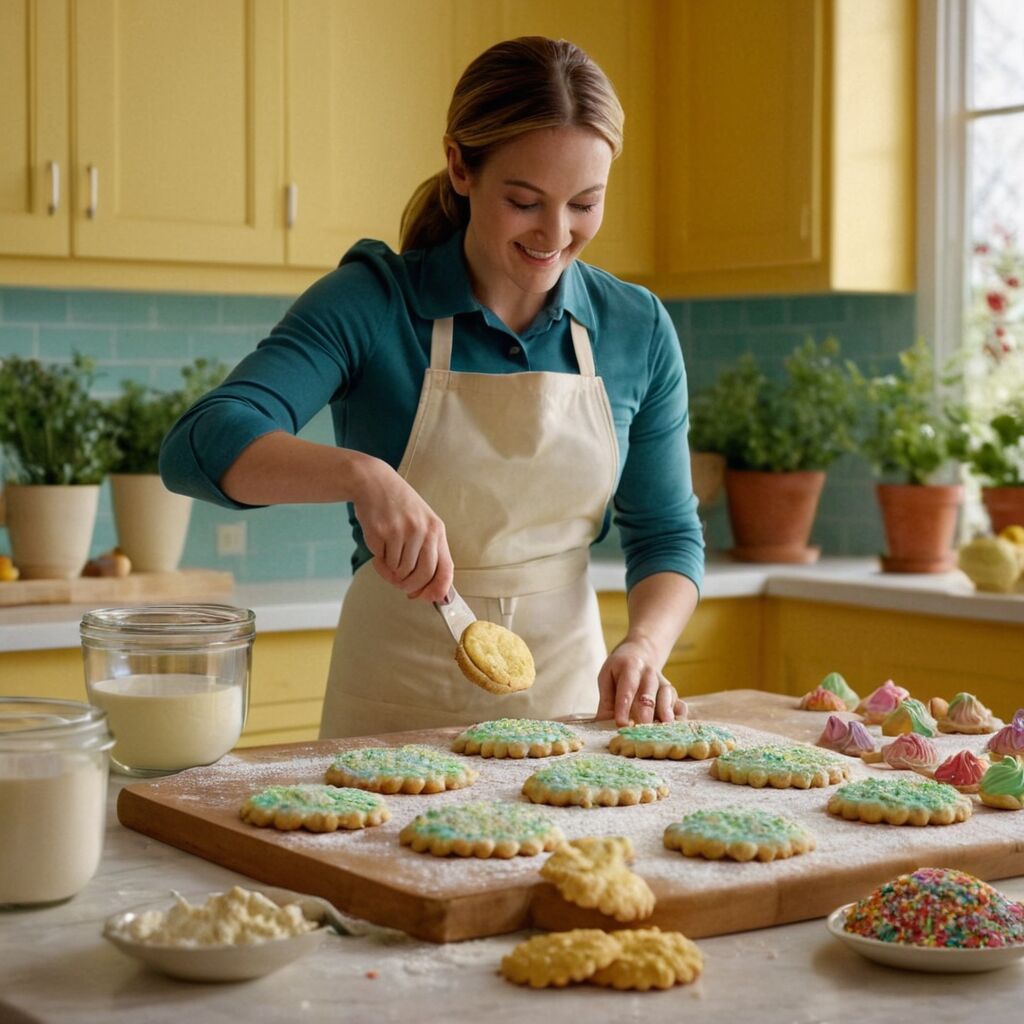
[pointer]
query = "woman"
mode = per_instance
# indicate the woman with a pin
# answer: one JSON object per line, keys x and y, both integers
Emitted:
{"x": 477, "y": 442}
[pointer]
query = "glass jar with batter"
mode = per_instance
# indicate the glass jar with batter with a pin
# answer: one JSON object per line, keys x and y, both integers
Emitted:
{"x": 173, "y": 680}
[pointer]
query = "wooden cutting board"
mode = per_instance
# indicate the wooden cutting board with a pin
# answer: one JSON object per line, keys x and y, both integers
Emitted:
{"x": 368, "y": 874}
{"x": 136, "y": 587}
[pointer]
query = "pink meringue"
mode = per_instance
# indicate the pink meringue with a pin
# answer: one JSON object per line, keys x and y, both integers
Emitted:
{"x": 877, "y": 704}
{"x": 963, "y": 770}
{"x": 1009, "y": 741}
{"x": 820, "y": 699}
{"x": 848, "y": 738}
{"x": 911, "y": 750}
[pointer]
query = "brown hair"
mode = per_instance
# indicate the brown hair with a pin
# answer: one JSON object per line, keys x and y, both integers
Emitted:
{"x": 514, "y": 87}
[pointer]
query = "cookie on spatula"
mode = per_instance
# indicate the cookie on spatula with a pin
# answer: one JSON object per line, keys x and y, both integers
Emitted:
{"x": 495, "y": 658}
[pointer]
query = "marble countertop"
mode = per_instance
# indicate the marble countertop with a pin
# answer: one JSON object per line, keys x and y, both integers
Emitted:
{"x": 315, "y": 603}
{"x": 54, "y": 966}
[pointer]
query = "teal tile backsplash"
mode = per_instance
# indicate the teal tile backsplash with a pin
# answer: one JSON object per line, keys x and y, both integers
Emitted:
{"x": 148, "y": 337}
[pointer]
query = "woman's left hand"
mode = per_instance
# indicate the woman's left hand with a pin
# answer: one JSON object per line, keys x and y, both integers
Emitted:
{"x": 633, "y": 688}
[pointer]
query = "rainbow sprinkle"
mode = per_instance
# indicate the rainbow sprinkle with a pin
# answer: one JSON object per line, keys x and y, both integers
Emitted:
{"x": 938, "y": 907}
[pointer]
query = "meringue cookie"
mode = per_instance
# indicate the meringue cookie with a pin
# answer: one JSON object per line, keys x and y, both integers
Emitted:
{"x": 962, "y": 770}
{"x": 850, "y": 738}
{"x": 819, "y": 699}
{"x": 880, "y": 702}
{"x": 836, "y": 684}
{"x": 1009, "y": 741}
{"x": 966, "y": 714}
{"x": 910, "y": 716}
{"x": 911, "y": 751}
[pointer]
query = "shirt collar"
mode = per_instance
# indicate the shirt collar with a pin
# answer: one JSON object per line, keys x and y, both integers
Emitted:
{"x": 444, "y": 289}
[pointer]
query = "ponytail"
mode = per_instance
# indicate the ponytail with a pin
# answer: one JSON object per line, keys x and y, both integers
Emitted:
{"x": 433, "y": 214}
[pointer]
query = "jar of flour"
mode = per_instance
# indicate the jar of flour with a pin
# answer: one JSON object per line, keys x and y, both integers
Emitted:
{"x": 53, "y": 797}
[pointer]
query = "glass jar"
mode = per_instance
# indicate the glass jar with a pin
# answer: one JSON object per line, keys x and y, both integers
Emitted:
{"x": 53, "y": 797}
{"x": 173, "y": 680}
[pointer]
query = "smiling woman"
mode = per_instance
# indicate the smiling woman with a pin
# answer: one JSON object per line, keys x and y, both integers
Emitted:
{"x": 491, "y": 395}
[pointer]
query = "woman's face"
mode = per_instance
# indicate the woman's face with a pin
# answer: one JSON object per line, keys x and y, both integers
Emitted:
{"x": 534, "y": 205}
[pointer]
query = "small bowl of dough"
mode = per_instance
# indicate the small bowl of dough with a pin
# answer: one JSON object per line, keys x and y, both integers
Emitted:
{"x": 232, "y": 936}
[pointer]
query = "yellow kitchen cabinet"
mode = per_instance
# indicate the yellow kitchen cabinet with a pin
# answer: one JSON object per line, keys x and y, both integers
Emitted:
{"x": 930, "y": 655}
{"x": 720, "y": 649}
{"x": 34, "y": 207}
{"x": 786, "y": 135}
{"x": 620, "y": 36}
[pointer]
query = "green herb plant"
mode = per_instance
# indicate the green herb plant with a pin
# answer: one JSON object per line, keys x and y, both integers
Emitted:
{"x": 906, "y": 428}
{"x": 993, "y": 447}
{"x": 52, "y": 431}
{"x": 802, "y": 422}
{"x": 140, "y": 417}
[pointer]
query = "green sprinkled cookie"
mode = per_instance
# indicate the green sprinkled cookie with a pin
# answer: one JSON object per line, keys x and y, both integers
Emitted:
{"x": 491, "y": 828}
{"x": 782, "y": 767}
{"x": 738, "y": 833}
{"x": 594, "y": 779}
{"x": 315, "y": 807}
{"x": 409, "y": 769}
{"x": 674, "y": 740}
{"x": 900, "y": 802}
{"x": 517, "y": 737}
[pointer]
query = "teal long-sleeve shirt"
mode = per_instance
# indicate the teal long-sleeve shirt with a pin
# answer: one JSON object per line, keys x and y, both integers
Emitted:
{"x": 359, "y": 340}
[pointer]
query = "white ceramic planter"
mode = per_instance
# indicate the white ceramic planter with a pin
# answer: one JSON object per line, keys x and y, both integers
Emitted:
{"x": 151, "y": 521}
{"x": 50, "y": 527}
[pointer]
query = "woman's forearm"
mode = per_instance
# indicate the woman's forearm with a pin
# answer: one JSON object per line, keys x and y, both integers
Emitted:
{"x": 279, "y": 468}
{"x": 660, "y": 606}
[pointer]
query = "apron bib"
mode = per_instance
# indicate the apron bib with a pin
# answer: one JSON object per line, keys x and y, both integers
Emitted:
{"x": 520, "y": 467}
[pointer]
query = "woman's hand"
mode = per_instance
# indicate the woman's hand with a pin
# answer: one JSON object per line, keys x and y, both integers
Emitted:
{"x": 406, "y": 537}
{"x": 633, "y": 688}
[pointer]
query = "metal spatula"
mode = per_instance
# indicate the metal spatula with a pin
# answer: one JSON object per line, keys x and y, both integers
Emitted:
{"x": 456, "y": 613}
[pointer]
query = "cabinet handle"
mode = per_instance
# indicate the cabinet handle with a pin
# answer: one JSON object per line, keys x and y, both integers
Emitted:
{"x": 94, "y": 190}
{"x": 54, "y": 206}
{"x": 291, "y": 204}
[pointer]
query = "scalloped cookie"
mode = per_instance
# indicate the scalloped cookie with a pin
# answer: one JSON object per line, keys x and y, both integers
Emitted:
{"x": 738, "y": 833}
{"x": 593, "y": 872}
{"x": 495, "y": 658}
{"x": 674, "y": 740}
{"x": 595, "y": 779}
{"x": 409, "y": 769}
{"x": 556, "y": 959}
{"x": 650, "y": 958}
{"x": 490, "y": 828}
{"x": 899, "y": 802}
{"x": 517, "y": 737}
{"x": 782, "y": 767}
{"x": 314, "y": 807}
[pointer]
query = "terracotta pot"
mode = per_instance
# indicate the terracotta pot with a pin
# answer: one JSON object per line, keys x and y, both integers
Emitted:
{"x": 920, "y": 523}
{"x": 152, "y": 522}
{"x": 771, "y": 514}
{"x": 50, "y": 527}
{"x": 1004, "y": 505}
{"x": 708, "y": 472}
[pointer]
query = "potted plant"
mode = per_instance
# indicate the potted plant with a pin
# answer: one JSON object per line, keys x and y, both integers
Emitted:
{"x": 906, "y": 433}
{"x": 778, "y": 436}
{"x": 151, "y": 521}
{"x": 56, "y": 453}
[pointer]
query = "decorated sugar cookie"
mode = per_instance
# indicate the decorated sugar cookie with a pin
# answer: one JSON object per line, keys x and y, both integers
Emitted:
{"x": 910, "y": 715}
{"x": 408, "y": 769}
{"x": 841, "y": 688}
{"x": 650, "y": 958}
{"x": 517, "y": 737}
{"x": 594, "y": 872}
{"x": 674, "y": 740}
{"x": 595, "y": 779}
{"x": 820, "y": 699}
{"x": 900, "y": 801}
{"x": 799, "y": 766}
{"x": 739, "y": 834}
{"x": 1003, "y": 784}
{"x": 966, "y": 714}
{"x": 314, "y": 807}
{"x": 558, "y": 958}
{"x": 490, "y": 828}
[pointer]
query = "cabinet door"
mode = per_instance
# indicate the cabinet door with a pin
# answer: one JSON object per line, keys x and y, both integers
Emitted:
{"x": 178, "y": 111}
{"x": 34, "y": 128}
{"x": 619, "y": 35}
{"x": 368, "y": 87}
{"x": 742, "y": 134}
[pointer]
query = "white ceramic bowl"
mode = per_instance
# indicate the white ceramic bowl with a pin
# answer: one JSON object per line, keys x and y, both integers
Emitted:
{"x": 922, "y": 958}
{"x": 224, "y": 963}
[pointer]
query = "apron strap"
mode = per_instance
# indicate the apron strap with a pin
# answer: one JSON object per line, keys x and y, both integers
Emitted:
{"x": 441, "y": 344}
{"x": 581, "y": 346}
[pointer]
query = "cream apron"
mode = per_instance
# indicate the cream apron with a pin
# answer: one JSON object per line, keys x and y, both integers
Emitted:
{"x": 520, "y": 468}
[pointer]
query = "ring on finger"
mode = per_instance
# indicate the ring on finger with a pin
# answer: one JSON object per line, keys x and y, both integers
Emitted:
{"x": 646, "y": 699}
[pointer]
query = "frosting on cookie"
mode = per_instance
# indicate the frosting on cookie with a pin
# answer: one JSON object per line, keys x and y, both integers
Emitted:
{"x": 730, "y": 825}
{"x": 841, "y": 688}
{"x": 489, "y": 819}
{"x": 938, "y": 907}
{"x": 849, "y": 738}
{"x": 778, "y": 758}
{"x": 909, "y": 750}
{"x": 1009, "y": 739}
{"x": 820, "y": 699}
{"x": 895, "y": 792}
{"x": 676, "y": 732}
{"x": 315, "y": 797}
{"x": 370, "y": 763}
{"x": 877, "y": 704}
{"x": 1005, "y": 778}
{"x": 964, "y": 768}
{"x": 596, "y": 771}
{"x": 966, "y": 712}
{"x": 910, "y": 716}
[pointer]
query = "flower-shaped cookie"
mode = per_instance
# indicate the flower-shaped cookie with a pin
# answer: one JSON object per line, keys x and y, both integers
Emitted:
{"x": 408, "y": 769}
{"x": 799, "y": 766}
{"x": 516, "y": 737}
{"x": 673, "y": 740}
{"x": 880, "y": 702}
{"x": 314, "y": 807}
{"x": 738, "y": 833}
{"x": 650, "y": 958}
{"x": 490, "y": 828}
{"x": 596, "y": 779}
{"x": 556, "y": 959}
{"x": 899, "y": 801}
{"x": 966, "y": 714}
